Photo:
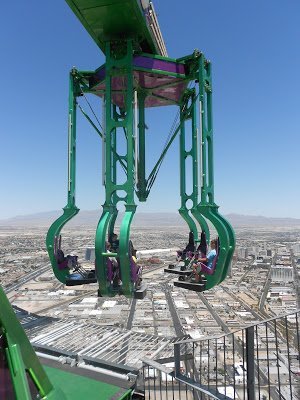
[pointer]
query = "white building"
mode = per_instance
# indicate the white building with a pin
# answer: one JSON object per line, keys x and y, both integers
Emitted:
{"x": 282, "y": 273}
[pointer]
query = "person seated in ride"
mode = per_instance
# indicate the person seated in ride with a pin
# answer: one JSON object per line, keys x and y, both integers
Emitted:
{"x": 62, "y": 261}
{"x": 206, "y": 262}
{"x": 190, "y": 248}
{"x": 108, "y": 247}
{"x": 114, "y": 242}
{"x": 202, "y": 248}
{"x": 135, "y": 269}
{"x": 132, "y": 251}
{"x": 68, "y": 262}
{"x": 72, "y": 261}
{"x": 113, "y": 269}
{"x": 116, "y": 273}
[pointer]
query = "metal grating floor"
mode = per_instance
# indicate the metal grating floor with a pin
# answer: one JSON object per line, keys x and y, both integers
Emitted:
{"x": 108, "y": 344}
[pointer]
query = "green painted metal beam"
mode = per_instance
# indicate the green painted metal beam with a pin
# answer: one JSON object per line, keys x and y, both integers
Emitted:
{"x": 142, "y": 182}
{"x": 207, "y": 206}
{"x": 118, "y": 63}
{"x": 109, "y": 20}
{"x": 22, "y": 358}
{"x": 70, "y": 210}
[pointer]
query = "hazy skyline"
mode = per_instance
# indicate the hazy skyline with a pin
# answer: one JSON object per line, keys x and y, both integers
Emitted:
{"x": 254, "y": 49}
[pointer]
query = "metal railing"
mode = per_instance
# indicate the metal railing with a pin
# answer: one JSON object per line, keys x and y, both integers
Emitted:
{"x": 260, "y": 362}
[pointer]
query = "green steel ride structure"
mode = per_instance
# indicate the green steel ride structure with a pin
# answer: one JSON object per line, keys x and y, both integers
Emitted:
{"x": 137, "y": 75}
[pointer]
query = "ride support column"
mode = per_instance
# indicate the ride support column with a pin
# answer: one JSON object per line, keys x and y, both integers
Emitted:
{"x": 118, "y": 68}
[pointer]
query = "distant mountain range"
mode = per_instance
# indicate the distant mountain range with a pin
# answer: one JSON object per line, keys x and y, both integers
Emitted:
{"x": 90, "y": 219}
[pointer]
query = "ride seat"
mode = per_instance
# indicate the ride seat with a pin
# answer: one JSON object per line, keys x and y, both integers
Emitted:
{"x": 204, "y": 267}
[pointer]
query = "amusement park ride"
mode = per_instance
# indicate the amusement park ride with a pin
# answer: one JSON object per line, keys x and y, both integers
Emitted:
{"x": 137, "y": 75}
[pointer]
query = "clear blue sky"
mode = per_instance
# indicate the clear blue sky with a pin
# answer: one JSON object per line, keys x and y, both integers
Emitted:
{"x": 254, "y": 48}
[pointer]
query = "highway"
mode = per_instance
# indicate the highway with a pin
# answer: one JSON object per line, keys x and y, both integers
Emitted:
{"x": 214, "y": 314}
{"x": 296, "y": 279}
{"x": 175, "y": 318}
{"x": 262, "y": 300}
{"x": 26, "y": 278}
{"x": 190, "y": 364}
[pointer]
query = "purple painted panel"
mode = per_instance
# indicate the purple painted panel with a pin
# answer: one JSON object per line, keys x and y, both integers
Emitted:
{"x": 100, "y": 74}
{"x": 154, "y": 63}
{"x": 160, "y": 95}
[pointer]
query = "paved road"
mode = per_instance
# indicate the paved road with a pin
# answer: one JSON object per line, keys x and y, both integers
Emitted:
{"x": 125, "y": 347}
{"x": 214, "y": 314}
{"x": 262, "y": 300}
{"x": 175, "y": 318}
{"x": 296, "y": 279}
{"x": 190, "y": 365}
{"x": 26, "y": 278}
{"x": 131, "y": 314}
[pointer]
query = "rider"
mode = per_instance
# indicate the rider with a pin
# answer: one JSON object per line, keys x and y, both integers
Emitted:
{"x": 190, "y": 247}
{"x": 114, "y": 242}
{"x": 207, "y": 261}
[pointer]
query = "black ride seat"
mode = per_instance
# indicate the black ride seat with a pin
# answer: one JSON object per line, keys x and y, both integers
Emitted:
{"x": 185, "y": 274}
{"x": 80, "y": 276}
{"x": 195, "y": 286}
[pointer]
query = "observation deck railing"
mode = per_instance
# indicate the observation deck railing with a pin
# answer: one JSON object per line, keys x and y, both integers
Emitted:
{"x": 260, "y": 362}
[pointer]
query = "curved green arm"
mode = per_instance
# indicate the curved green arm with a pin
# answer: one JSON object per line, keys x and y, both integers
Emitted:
{"x": 231, "y": 236}
{"x": 100, "y": 260}
{"x": 210, "y": 212}
{"x": 184, "y": 212}
{"x": 70, "y": 210}
{"x": 112, "y": 222}
{"x": 53, "y": 233}
{"x": 201, "y": 221}
{"x": 207, "y": 207}
{"x": 123, "y": 250}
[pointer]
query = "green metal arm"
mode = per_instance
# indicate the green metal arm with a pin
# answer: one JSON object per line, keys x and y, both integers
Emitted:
{"x": 53, "y": 235}
{"x": 210, "y": 212}
{"x": 186, "y": 214}
{"x": 100, "y": 239}
{"x": 70, "y": 210}
{"x": 142, "y": 182}
{"x": 207, "y": 206}
{"x": 21, "y": 357}
{"x": 124, "y": 256}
